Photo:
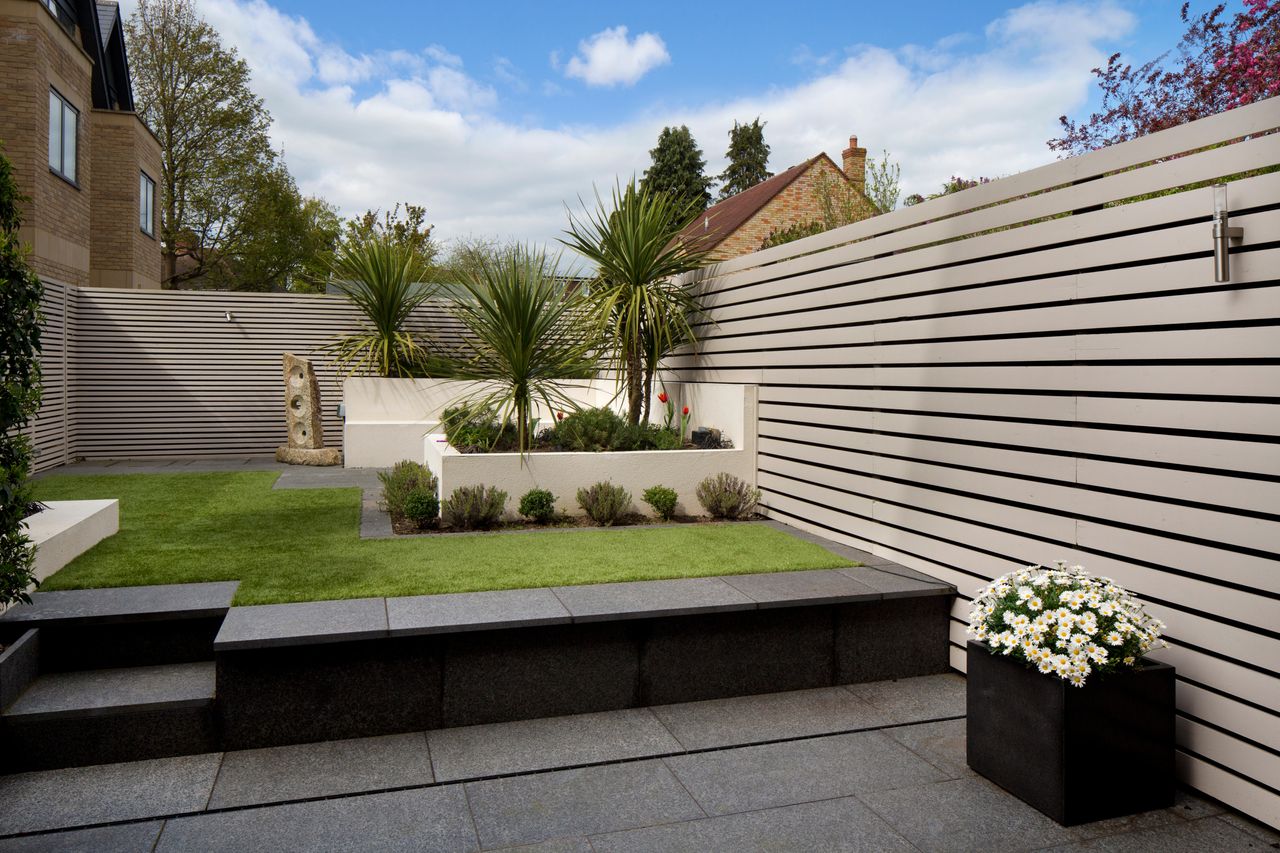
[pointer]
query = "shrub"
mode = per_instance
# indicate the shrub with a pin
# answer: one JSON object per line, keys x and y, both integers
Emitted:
{"x": 404, "y": 479}
{"x": 663, "y": 500}
{"x": 590, "y": 430}
{"x": 474, "y": 507}
{"x": 725, "y": 496}
{"x": 475, "y": 430}
{"x": 604, "y": 503}
{"x": 422, "y": 507}
{"x": 538, "y": 504}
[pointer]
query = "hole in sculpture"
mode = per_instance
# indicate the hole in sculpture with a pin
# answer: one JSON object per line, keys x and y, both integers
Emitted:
{"x": 296, "y": 403}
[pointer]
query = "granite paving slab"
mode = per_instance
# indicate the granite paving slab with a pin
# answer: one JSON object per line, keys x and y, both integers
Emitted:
{"x": 303, "y": 771}
{"x": 967, "y": 814}
{"x": 942, "y": 744}
{"x": 559, "y": 845}
{"x": 893, "y": 585}
{"x": 125, "y": 604}
{"x": 767, "y": 716}
{"x": 103, "y": 691}
{"x": 1253, "y": 827}
{"x": 121, "y": 838}
{"x": 914, "y": 700}
{"x": 302, "y": 624}
{"x": 756, "y": 777}
{"x": 324, "y": 477}
{"x": 516, "y": 747}
{"x": 650, "y": 599}
{"x": 434, "y": 819}
{"x": 1197, "y": 836}
{"x": 790, "y": 589}
{"x": 583, "y": 801}
{"x": 840, "y": 826}
{"x": 453, "y": 612}
{"x": 80, "y": 796}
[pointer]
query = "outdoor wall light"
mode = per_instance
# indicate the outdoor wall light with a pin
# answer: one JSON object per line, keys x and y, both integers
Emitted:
{"x": 1223, "y": 234}
{"x": 230, "y": 317}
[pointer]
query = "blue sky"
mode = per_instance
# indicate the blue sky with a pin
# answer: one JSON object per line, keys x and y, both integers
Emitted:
{"x": 495, "y": 115}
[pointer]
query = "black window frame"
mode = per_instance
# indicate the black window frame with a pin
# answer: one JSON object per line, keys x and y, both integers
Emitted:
{"x": 147, "y": 199}
{"x": 60, "y": 169}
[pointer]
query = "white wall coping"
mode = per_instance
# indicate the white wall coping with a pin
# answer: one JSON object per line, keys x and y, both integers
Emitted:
{"x": 66, "y": 529}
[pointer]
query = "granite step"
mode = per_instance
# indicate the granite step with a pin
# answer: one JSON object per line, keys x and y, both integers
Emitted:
{"x": 68, "y": 719}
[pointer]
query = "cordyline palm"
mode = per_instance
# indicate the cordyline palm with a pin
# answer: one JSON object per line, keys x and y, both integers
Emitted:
{"x": 385, "y": 280}
{"x": 638, "y": 294}
{"x": 526, "y": 331}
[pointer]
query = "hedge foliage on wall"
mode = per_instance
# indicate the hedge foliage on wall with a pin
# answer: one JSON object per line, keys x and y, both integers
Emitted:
{"x": 20, "y": 292}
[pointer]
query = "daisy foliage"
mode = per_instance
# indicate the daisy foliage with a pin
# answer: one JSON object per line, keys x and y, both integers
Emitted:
{"x": 1064, "y": 622}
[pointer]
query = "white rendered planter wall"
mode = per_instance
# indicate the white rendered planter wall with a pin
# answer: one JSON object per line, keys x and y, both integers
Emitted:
{"x": 67, "y": 529}
{"x": 730, "y": 408}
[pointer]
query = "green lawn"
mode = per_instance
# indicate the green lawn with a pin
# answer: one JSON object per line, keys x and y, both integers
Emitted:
{"x": 304, "y": 544}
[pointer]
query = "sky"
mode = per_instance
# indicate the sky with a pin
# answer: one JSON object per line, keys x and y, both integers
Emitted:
{"x": 496, "y": 115}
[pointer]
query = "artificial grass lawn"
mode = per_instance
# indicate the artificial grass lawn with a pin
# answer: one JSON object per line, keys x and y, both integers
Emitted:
{"x": 304, "y": 545}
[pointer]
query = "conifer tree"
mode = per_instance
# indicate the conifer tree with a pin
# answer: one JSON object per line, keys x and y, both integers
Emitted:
{"x": 748, "y": 156}
{"x": 677, "y": 170}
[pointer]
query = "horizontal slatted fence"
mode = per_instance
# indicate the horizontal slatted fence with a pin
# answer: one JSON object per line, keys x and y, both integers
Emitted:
{"x": 48, "y": 430}
{"x": 165, "y": 373}
{"x": 1029, "y": 371}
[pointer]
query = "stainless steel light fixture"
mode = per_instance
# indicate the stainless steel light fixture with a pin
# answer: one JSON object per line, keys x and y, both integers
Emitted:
{"x": 1223, "y": 234}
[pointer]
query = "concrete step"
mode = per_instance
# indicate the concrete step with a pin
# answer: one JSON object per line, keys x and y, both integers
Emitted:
{"x": 68, "y": 719}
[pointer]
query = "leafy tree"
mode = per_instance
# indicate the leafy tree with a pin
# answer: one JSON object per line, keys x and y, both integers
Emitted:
{"x": 20, "y": 292}
{"x": 677, "y": 170}
{"x": 639, "y": 296}
{"x": 954, "y": 185}
{"x": 840, "y": 203}
{"x": 410, "y": 231}
{"x": 525, "y": 332}
{"x": 748, "y": 156}
{"x": 1216, "y": 65}
{"x": 194, "y": 93}
{"x": 884, "y": 183}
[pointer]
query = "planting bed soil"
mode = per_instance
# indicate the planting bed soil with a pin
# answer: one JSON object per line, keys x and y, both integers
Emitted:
{"x": 405, "y": 527}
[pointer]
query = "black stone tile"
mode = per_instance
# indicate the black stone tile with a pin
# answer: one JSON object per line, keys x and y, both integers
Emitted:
{"x": 790, "y": 589}
{"x": 128, "y": 603}
{"x": 527, "y": 673}
{"x": 755, "y": 777}
{"x": 105, "y": 691}
{"x": 474, "y": 611}
{"x": 311, "y": 770}
{"x": 434, "y": 819}
{"x": 122, "y": 838}
{"x": 278, "y": 696}
{"x": 305, "y": 623}
{"x": 649, "y": 599}
{"x": 893, "y": 585}
{"x": 525, "y": 809}
{"x": 691, "y": 658}
{"x": 893, "y": 638}
{"x": 79, "y": 796}
{"x": 834, "y": 826}
{"x": 95, "y": 645}
{"x": 916, "y": 699}
{"x": 19, "y": 666}
{"x": 47, "y": 743}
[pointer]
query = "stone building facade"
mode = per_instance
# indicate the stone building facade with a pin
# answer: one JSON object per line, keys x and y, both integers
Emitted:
{"x": 92, "y": 214}
{"x": 741, "y": 223}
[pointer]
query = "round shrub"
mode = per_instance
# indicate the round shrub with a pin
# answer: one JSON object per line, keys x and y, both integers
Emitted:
{"x": 539, "y": 505}
{"x": 590, "y": 430}
{"x": 725, "y": 496}
{"x": 405, "y": 478}
{"x": 604, "y": 503}
{"x": 422, "y": 507}
{"x": 474, "y": 507}
{"x": 663, "y": 500}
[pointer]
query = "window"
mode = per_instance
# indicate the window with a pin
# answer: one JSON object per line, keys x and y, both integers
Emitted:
{"x": 63, "y": 120}
{"x": 147, "y": 205}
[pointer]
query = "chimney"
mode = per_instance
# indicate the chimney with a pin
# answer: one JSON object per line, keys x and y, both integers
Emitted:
{"x": 855, "y": 163}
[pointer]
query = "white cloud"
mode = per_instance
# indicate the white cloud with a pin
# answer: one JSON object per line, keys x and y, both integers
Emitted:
{"x": 420, "y": 129}
{"x": 609, "y": 57}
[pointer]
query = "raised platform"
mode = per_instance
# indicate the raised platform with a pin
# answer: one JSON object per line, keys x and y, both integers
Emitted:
{"x": 66, "y": 529}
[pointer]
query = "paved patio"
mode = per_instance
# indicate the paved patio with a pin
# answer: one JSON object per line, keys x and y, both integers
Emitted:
{"x": 869, "y": 767}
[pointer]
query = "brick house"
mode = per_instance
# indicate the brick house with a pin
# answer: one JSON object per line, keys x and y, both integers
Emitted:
{"x": 88, "y": 163}
{"x": 741, "y": 223}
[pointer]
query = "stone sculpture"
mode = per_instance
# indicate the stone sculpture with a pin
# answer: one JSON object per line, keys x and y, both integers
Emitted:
{"x": 302, "y": 416}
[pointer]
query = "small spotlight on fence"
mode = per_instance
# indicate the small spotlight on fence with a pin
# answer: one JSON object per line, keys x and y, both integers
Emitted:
{"x": 230, "y": 317}
{"x": 1223, "y": 234}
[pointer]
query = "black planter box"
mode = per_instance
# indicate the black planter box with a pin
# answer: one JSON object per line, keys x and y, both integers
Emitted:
{"x": 1077, "y": 754}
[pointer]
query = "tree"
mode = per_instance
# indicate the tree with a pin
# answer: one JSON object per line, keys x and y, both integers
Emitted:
{"x": 411, "y": 231}
{"x": 884, "y": 183}
{"x": 748, "y": 156}
{"x": 840, "y": 203}
{"x": 677, "y": 170}
{"x": 639, "y": 296}
{"x": 526, "y": 331}
{"x": 195, "y": 95}
{"x": 954, "y": 185}
{"x": 20, "y": 292}
{"x": 1216, "y": 66}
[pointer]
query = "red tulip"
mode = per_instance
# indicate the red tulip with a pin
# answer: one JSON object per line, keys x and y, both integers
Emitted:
{"x": 662, "y": 398}
{"x": 686, "y": 411}
{"x": 559, "y": 416}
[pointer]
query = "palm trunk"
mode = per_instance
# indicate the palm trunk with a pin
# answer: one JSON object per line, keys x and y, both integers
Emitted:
{"x": 635, "y": 383}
